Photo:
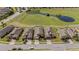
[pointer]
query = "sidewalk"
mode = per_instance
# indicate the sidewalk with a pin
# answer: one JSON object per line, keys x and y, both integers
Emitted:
{"x": 10, "y": 17}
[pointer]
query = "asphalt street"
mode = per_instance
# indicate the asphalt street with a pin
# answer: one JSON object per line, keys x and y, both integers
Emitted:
{"x": 10, "y": 17}
{"x": 56, "y": 47}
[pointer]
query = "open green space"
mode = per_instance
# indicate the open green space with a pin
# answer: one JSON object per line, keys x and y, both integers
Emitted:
{"x": 35, "y": 19}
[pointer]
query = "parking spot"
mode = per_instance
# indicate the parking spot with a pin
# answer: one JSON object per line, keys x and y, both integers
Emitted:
{"x": 36, "y": 42}
{"x": 29, "y": 42}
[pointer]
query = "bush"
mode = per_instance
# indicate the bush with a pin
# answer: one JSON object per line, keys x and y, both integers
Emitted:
{"x": 20, "y": 49}
{"x": 10, "y": 13}
{"x": 48, "y": 15}
{"x": 14, "y": 49}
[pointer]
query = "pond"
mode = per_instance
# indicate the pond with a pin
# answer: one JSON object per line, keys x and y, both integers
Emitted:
{"x": 61, "y": 17}
{"x": 66, "y": 18}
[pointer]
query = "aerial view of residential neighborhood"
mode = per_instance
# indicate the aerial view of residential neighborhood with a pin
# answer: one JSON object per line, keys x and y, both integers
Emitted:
{"x": 39, "y": 29}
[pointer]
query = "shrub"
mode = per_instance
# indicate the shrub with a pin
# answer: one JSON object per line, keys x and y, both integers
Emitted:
{"x": 14, "y": 49}
{"x": 20, "y": 49}
{"x": 48, "y": 14}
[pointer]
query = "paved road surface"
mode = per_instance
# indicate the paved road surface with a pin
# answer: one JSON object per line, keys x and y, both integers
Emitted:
{"x": 57, "y": 47}
{"x": 10, "y": 17}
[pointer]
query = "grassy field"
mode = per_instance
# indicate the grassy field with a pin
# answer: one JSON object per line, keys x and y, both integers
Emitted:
{"x": 27, "y": 19}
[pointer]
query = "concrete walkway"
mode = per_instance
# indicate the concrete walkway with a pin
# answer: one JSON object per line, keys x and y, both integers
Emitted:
{"x": 10, "y": 17}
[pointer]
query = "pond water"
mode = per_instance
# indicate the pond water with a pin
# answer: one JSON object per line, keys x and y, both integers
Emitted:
{"x": 66, "y": 18}
{"x": 61, "y": 17}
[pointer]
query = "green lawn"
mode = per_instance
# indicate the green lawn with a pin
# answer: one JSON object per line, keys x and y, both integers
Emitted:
{"x": 28, "y": 19}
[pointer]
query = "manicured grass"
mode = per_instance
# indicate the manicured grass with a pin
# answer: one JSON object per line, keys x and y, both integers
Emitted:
{"x": 4, "y": 40}
{"x": 28, "y": 19}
